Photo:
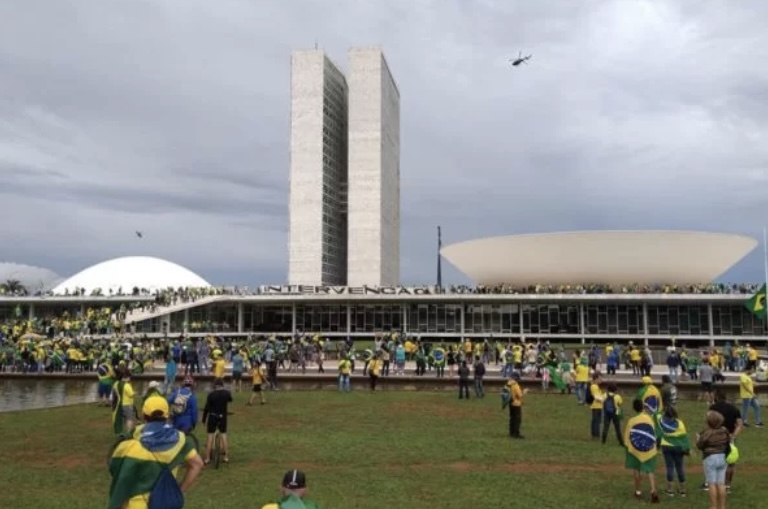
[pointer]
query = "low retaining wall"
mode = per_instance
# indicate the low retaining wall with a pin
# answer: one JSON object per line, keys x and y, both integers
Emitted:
{"x": 318, "y": 381}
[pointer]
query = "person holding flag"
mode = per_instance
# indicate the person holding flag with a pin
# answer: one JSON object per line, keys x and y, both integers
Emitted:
{"x": 650, "y": 395}
{"x": 439, "y": 357}
{"x": 106, "y": 378}
{"x": 642, "y": 452}
{"x": 756, "y": 304}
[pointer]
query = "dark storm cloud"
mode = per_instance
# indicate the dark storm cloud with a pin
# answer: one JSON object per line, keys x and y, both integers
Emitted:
{"x": 173, "y": 117}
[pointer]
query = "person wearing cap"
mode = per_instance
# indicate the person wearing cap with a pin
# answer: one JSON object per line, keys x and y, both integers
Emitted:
{"x": 183, "y": 405}
{"x": 153, "y": 389}
{"x": 650, "y": 395}
{"x": 293, "y": 492}
{"x": 138, "y": 462}
{"x": 515, "y": 405}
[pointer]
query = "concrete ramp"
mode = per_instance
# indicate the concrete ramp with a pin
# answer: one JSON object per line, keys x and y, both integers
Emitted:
{"x": 138, "y": 315}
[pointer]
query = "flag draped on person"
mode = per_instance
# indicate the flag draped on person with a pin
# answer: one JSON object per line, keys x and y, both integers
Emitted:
{"x": 756, "y": 304}
{"x": 117, "y": 407}
{"x": 640, "y": 441}
{"x": 672, "y": 433}
{"x": 557, "y": 379}
{"x": 650, "y": 396}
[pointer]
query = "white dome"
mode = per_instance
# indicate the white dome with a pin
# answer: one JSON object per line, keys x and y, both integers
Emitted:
{"x": 127, "y": 273}
{"x": 599, "y": 257}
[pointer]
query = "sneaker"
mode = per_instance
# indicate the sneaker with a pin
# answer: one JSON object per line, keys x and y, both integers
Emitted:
{"x": 639, "y": 495}
{"x": 682, "y": 493}
{"x": 705, "y": 486}
{"x": 759, "y": 425}
{"x": 670, "y": 493}
{"x": 655, "y": 498}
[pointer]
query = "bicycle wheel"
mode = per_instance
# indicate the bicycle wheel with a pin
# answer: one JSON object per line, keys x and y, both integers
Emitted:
{"x": 216, "y": 450}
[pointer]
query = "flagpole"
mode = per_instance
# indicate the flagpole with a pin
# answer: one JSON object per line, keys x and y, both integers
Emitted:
{"x": 765, "y": 256}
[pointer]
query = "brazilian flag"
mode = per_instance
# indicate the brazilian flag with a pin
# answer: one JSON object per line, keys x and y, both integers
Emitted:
{"x": 117, "y": 407}
{"x": 756, "y": 304}
{"x": 640, "y": 440}
{"x": 557, "y": 380}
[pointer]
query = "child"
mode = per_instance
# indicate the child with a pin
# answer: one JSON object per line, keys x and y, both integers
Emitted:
{"x": 258, "y": 377}
{"x": 642, "y": 451}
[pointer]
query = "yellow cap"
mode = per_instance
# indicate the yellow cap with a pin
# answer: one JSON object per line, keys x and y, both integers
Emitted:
{"x": 154, "y": 404}
{"x": 647, "y": 380}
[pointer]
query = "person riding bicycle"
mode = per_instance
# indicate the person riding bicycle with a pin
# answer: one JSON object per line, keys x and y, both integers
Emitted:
{"x": 183, "y": 405}
{"x": 215, "y": 418}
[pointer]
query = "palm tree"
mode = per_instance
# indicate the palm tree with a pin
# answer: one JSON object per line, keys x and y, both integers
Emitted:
{"x": 13, "y": 286}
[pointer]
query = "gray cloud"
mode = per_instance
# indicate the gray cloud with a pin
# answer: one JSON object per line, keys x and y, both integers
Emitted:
{"x": 172, "y": 117}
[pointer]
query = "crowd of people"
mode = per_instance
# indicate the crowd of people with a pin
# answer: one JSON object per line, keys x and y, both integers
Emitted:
{"x": 171, "y": 296}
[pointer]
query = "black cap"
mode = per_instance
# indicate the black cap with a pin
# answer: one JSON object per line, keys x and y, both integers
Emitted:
{"x": 294, "y": 480}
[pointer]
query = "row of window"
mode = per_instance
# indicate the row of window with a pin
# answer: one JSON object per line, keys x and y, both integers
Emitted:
{"x": 493, "y": 318}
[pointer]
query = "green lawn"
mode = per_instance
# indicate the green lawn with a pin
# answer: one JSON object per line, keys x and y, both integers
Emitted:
{"x": 362, "y": 450}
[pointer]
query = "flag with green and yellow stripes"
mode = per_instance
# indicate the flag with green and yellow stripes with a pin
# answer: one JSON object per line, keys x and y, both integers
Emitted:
{"x": 756, "y": 304}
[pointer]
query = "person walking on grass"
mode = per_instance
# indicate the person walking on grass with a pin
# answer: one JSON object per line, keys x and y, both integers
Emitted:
{"x": 612, "y": 413}
{"x": 515, "y": 394}
{"x": 238, "y": 364}
{"x": 733, "y": 423}
{"x": 345, "y": 369}
{"x": 748, "y": 400}
{"x": 675, "y": 446}
{"x": 258, "y": 379}
{"x": 714, "y": 442}
{"x": 595, "y": 398}
{"x": 374, "y": 371}
{"x": 463, "y": 380}
{"x": 642, "y": 452}
{"x": 478, "y": 373}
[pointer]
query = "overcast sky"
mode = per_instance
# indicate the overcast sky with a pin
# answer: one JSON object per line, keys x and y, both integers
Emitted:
{"x": 172, "y": 117}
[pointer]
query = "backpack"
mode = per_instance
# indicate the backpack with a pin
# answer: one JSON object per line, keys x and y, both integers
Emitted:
{"x": 179, "y": 406}
{"x": 589, "y": 398}
{"x": 166, "y": 492}
{"x": 609, "y": 406}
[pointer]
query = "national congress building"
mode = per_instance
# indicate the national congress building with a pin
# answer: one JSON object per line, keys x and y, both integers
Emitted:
{"x": 344, "y": 171}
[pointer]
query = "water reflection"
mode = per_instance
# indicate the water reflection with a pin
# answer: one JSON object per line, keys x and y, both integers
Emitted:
{"x": 17, "y": 394}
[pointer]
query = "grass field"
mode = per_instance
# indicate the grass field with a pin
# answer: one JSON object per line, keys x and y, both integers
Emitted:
{"x": 362, "y": 450}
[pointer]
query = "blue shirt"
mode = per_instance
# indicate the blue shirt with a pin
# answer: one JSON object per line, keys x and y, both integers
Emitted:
{"x": 237, "y": 363}
{"x": 188, "y": 420}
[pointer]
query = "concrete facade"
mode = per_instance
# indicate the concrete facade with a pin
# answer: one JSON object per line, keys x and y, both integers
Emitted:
{"x": 374, "y": 176}
{"x": 318, "y": 171}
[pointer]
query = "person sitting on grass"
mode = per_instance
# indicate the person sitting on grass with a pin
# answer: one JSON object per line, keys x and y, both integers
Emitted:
{"x": 642, "y": 451}
{"x": 293, "y": 492}
{"x": 138, "y": 464}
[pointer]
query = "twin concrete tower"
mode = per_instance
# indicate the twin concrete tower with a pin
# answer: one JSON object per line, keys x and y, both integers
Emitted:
{"x": 345, "y": 171}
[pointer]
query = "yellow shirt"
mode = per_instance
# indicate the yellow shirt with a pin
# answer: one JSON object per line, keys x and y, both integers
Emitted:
{"x": 634, "y": 355}
{"x": 582, "y": 373}
{"x": 258, "y": 375}
{"x": 516, "y": 392}
{"x": 746, "y": 387}
{"x": 345, "y": 367}
{"x": 218, "y": 368}
{"x": 617, "y": 401}
{"x": 752, "y": 354}
{"x": 374, "y": 367}
{"x": 599, "y": 396}
{"x": 127, "y": 394}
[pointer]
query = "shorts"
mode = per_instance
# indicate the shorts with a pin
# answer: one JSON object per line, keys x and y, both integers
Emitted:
{"x": 645, "y": 467}
{"x": 237, "y": 375}
{"x": 714, "y": 469}
{"x": 129, "y": 413}
{"x": 256, "y": 388}
{"x": 216, "y": 422}
{"x": 105, "y": 390}
{"x": 706, "y": 386}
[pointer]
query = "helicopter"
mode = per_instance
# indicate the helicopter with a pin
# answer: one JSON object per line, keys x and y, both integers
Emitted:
{"x": 520, "y": 59}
